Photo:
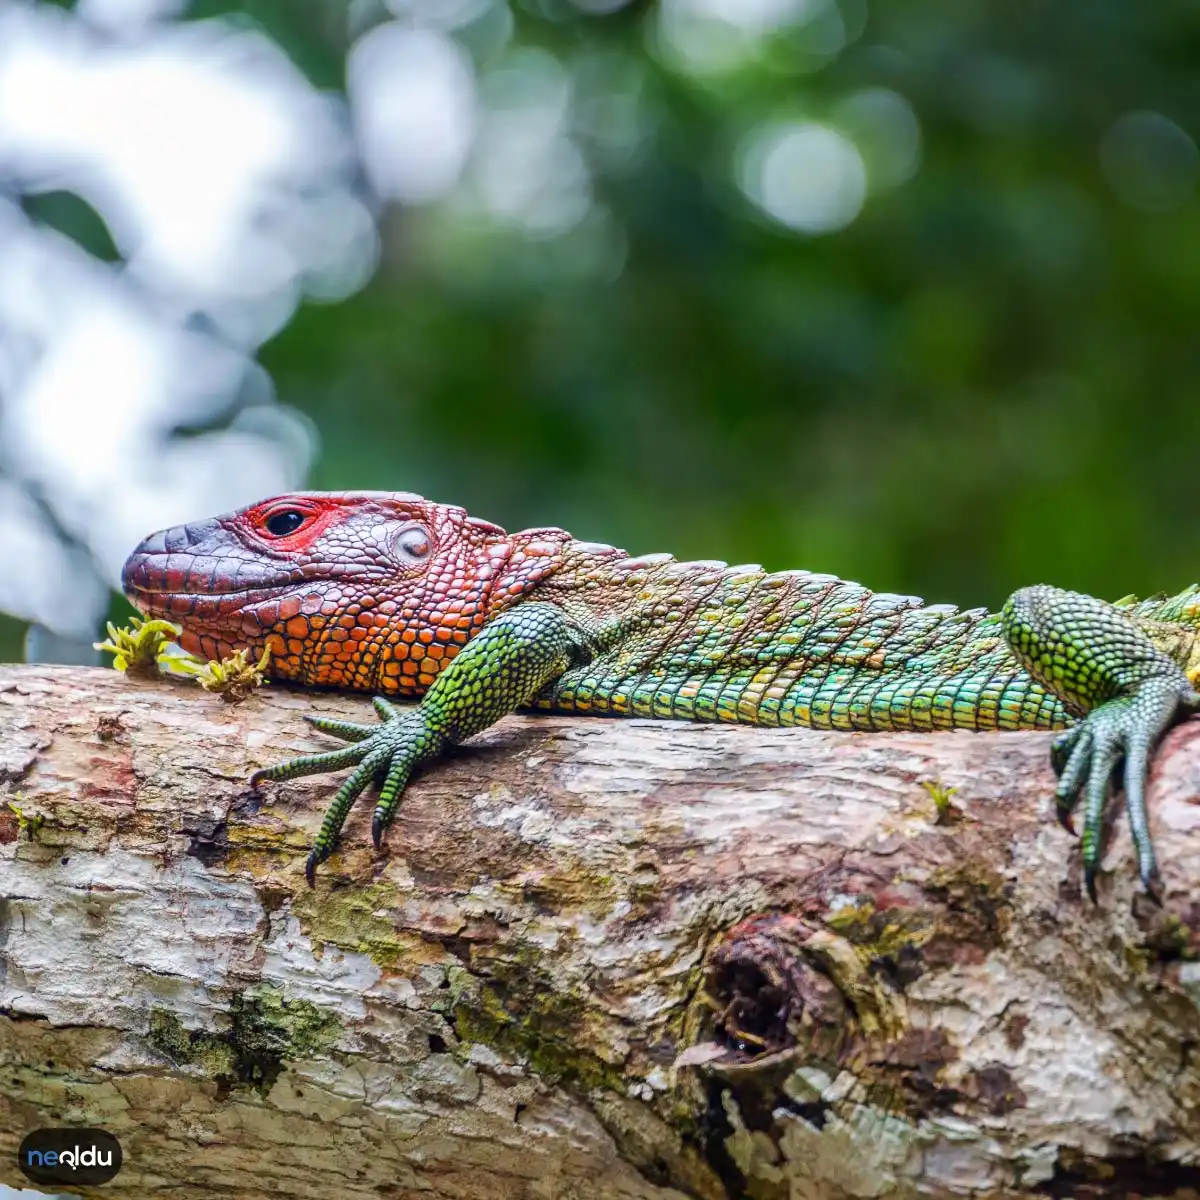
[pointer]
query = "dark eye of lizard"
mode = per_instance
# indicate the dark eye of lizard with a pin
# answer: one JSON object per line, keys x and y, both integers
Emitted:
{"x": 280, "y": 524}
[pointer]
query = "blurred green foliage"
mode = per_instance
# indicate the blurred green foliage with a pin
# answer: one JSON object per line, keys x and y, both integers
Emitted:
{"x": 987, "y": 379}
{"x": 12, "y": 638}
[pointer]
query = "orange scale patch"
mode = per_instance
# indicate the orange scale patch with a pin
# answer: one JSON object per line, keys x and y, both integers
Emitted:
{"x": 426, "y": 680}
{"x": 297, "y": 627}
{"x": 295, "y": 647}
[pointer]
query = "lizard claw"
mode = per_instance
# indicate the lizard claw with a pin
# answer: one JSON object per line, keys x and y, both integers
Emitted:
{"x": 315, "y": 858}
{"x": 1071, "y": 757}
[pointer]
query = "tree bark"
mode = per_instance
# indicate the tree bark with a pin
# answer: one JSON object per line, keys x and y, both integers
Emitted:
{"x": 596, "y": 959}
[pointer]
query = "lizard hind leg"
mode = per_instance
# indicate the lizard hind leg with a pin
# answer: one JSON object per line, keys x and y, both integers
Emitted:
{"x": 1126, "y": 691}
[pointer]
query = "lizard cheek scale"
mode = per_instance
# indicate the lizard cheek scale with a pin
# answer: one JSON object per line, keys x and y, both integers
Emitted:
{"x": 391, "y": 593}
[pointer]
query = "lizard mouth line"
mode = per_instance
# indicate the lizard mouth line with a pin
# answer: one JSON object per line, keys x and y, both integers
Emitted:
{"x": 135, "y": 592}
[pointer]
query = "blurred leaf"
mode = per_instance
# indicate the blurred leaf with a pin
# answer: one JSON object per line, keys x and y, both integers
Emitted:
{"x": 73, "y": 216}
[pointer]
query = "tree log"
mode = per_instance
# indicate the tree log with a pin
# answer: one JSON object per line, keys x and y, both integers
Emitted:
{"x": 596, "y": 959}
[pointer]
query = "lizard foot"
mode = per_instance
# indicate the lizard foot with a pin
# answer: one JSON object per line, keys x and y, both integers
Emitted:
{"x": 384, "y": 754}
{"x": 1098, "y": 661}
{"x": 1089, "y": 754}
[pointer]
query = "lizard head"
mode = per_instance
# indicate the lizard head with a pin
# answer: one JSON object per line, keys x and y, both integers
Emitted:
{"x": 365, "y": 590}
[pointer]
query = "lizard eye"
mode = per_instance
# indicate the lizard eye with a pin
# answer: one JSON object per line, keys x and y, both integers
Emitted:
{"x": 287, "y": 520}
{"x": 413, "y": 544}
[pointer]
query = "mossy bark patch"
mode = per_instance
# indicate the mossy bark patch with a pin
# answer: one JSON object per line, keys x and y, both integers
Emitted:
{"x": 264, "y": 1031}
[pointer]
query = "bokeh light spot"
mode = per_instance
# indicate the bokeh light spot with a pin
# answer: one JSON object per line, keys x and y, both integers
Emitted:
{"x": 527, "y": 171}
{"x": 413, "y": 97}
{"x": 887, "y": 133}
{"x": 123, "y": 14}
{"x": 716, "y": 36}
{"x": 805, "y": 175}
{"x": 1149, "y": 161}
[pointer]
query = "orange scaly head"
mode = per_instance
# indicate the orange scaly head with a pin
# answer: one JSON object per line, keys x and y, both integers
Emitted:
{"x": 365, "y": 590}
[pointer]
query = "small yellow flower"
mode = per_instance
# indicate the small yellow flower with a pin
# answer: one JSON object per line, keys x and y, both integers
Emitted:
{"x": 138, "y": 647}
{"x": 233, "y": 678}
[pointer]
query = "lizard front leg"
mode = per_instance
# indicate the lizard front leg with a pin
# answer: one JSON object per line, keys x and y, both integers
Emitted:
{"x": 503, "y": 668}
{"x": 1127, "y": 692}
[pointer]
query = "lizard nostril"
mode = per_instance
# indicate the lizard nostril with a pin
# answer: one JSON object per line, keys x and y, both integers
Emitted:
{"x": 156, "y": 543}
{"x": 196, "y": 532}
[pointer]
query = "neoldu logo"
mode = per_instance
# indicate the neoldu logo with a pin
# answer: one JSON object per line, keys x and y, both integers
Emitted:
{"x": 84, "y": 1157}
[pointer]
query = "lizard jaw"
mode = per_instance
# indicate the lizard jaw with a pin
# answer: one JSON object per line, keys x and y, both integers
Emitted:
{"x": 191, "y": 567}
{"x": 199, "y": 577}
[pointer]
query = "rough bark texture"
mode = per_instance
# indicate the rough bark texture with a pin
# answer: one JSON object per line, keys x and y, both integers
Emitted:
{"x": 597, "y": 959}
